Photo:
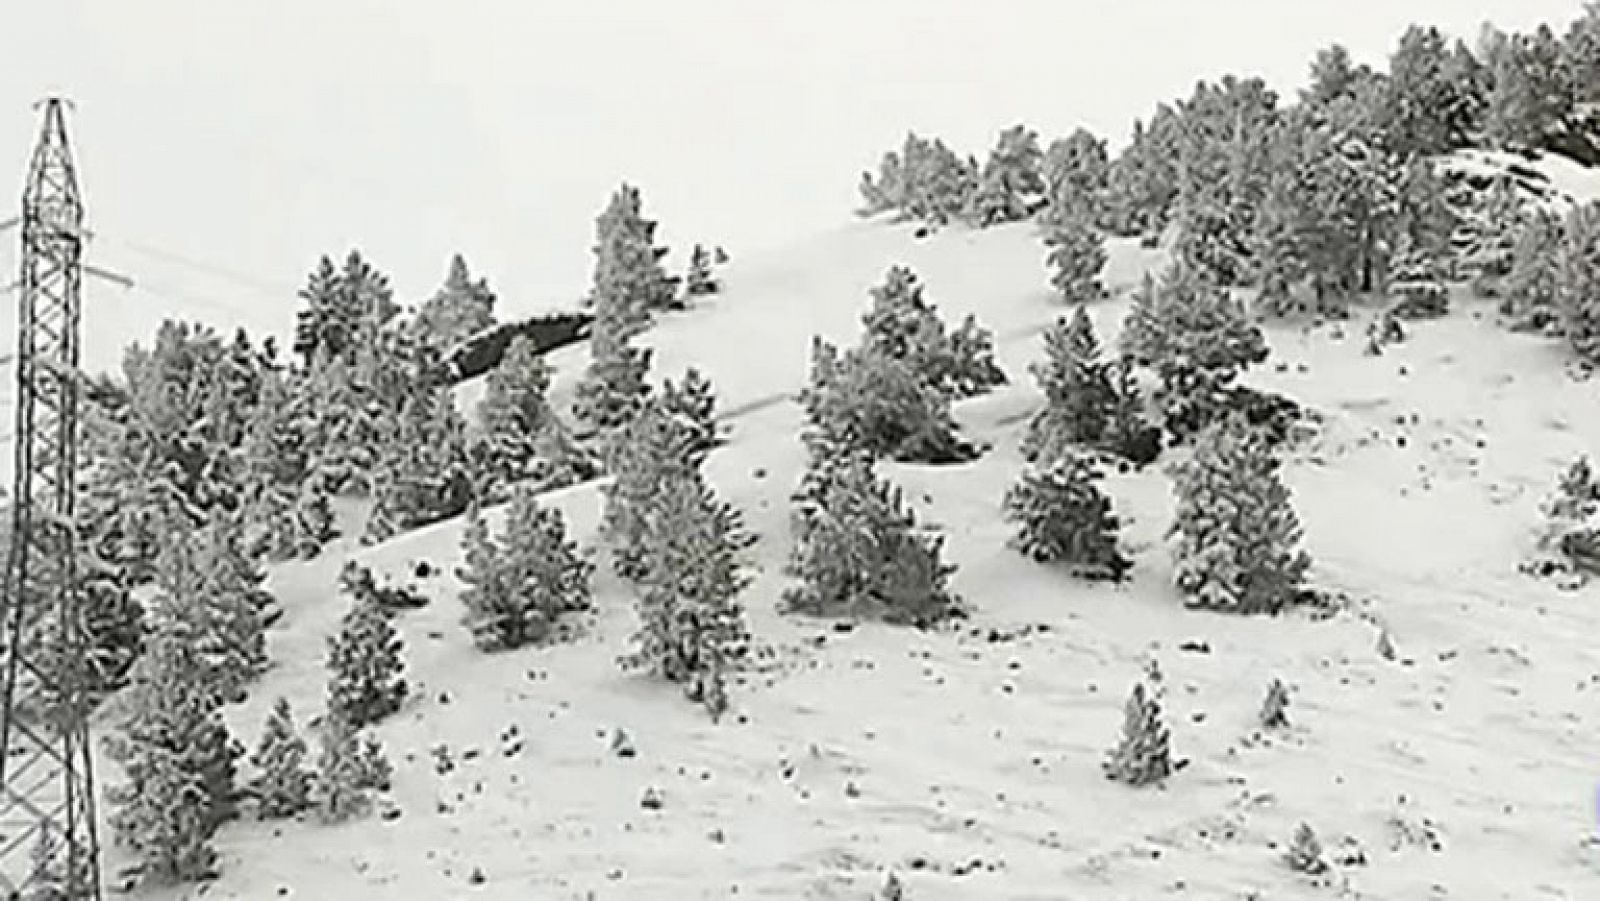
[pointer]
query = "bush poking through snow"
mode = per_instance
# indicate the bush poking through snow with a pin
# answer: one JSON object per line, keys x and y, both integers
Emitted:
{"x": 1305, "y": 852}
{"x": 1063, "y": 517}
{"x": 283, "y": 786}
{"x": 1142, "y": 756}
{"x": 519, "y": 589}
{"x": 858, "y": 550}
{"x": 1237, "y": 533}
{"x": 365, "y": 664}
{"x": 1570, "y": 540}
{"x": 1275, "y": 708}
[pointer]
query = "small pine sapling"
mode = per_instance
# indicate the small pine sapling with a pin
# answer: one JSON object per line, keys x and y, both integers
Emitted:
{"x": 1062, "y": 516}
{"x": 700, "y": 280}
{"x": 1275, "y": 708}
{"x": 1142, "y": 756}
{"x": 1305, "y": 852}
{"x": 283, "y": 786}
{"x": 1570, "y": 539}
{"x": 365, "y": 664}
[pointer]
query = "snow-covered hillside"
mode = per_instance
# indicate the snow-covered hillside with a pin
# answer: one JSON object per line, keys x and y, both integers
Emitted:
{"x": 968, "y": 761}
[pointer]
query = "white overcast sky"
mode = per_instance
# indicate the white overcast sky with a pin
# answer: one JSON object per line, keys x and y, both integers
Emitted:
{"x": 254, "y": 136}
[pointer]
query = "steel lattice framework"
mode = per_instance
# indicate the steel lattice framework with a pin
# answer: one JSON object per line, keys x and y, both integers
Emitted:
{"x": 48, "y": 833}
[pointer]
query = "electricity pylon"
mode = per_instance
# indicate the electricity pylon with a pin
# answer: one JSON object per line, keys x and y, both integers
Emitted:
{"x": 48, "y": 832}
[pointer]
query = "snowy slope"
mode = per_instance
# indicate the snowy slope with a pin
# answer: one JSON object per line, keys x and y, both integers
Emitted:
{"x": 968, "y": 762}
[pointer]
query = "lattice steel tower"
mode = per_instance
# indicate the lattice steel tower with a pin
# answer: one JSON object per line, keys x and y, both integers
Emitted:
{"x": 48, "y": 842}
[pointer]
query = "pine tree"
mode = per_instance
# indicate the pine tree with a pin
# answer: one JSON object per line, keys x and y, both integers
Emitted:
{"x": 539, "y": 576}
{"x": 868, "y": 399}
{"x": 283, "y": 787}
{"x": 902, "y": 324}
{"x": 206, "y": 584}
{"x": 365, "y": 664}
{"x": 1077, "y": 175}
{"x": 615, "y": 385}
{"x": 693, "y": 404}
{"x": 1531, "y": 297}
{"x": 1333, "y": 75}
{"x": 1415, "y": 283}
{"x": 655, "y": 447}
{"x": 1491, "y": 229}
{"x": 515, "y": 411}
{"x": 858, "y": 549}
{"x": 1275, "y": 709}
{"x": 1077, "y": 257}
{"x": 1011, "y": 186}
{"x": 1142, "y": 756}
{"x": 340, "y": 788}
{"x": 887, "y": 191}
{"x": 1578, "y": 281}
{"x": 344, "y": 310}
{"x": 1237, "y": 533}
{"x": 178, "y": 759}
{"x": 1078, "y": 393}
{"x": 1569, "y": 540}
{"x": 1424, "y": 110}
{"x": 700, "y": 280}
{"x": 1129, "y": 434}
{"x": 1062, "y": 516}
{"x": 463, "y": 307}
{"x": 691, "y": 624}
{"x": 629, "y": 279}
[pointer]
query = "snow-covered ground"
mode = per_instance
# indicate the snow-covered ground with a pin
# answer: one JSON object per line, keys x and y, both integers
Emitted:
{"x": 968, "y": 761}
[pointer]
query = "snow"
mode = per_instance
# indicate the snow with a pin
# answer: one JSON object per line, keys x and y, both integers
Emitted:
{"x": 974, "y": 754}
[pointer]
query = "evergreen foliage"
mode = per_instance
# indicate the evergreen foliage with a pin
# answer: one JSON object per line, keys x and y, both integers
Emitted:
{"x": 1530, "y": 294}
{"x": 461, "y": 308}
{"x": 178, "y": 760}
{"x": 1142, "y": 183}
{"x": 345, "y": 309}
{"x": 1077, "y": 257}
{"x": 1062, "y": 516}
{"x": 1079, "y": 395}
{"x": 692, "y": 403}
{"x": 1426, "y": 108}
{"x": 691, "y": 625}
{"x": 1011, "y": 185}
{"x": 365, "y": 665}
{"x": 628, "y": 275}
{"x": 903, "y": 325}
{"x": 701, "y": 278}
{"x": 1305, "y": 852}
{"x": 924, "y": 181}
{"x": 1569, "y": 541}
{"x": 867, "y": 399}
{"x": 858, "y": 550}
{"x": 1197, "y": 339}
{"x": 1275, "y": 708}
{"x": 1416, "y": 284}
{"x": 1237, "y": 532}
{"x": 1142, "y": 756}
{"x": 1578, "y": 281}
{"x": 283, "y": 786}
{"x": 1077, "y": 176}
{"x": 655, "y": 447}
{"x": 346, "y": 767}
{"x": 520, "y": 589}
{"x": 209, "y": 588}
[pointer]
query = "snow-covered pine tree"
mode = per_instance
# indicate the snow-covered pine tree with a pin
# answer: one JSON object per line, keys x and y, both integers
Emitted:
{"x": 1578, "y": 281}
{"x": 1423, "y": 107}
{"x": 1530, "y": 294}
{"x": 205, "y": 584}
{"x": 1076, "y": 173}
{"x": 615, "y": 384}
{"x": 655, "y": 447}
{"x": 937, "y": 183}
{"x": 1416, "y": 283}
{"x": 1129, "y": 434}
{"x": 1569, "y": 541}
{"x": 282, "y": 787}
{"x": 628, "y": 275}
{"x": 692, "y": 402}
{"x": 691, "y": 625}
{"x": 541, "y": 577}
{"x": 1076, "y": 257}
{"x": 515, "y": 411}
{"x": 345, "y": 308}
{"x": 858, "y": 549}
{"x": 1237, "y": 531}
{"x": 1491, "y": 228}
{"x": 1062, "y": 516}
{"x": 1333, "y": 75}
{"x": 1143, "y": 755}
{"x": 700, "y": 279}
{"x": 339, "y": 789}
{"x": 902, "y": 324}
{"x": 463, "y": 307}
{"x": 1078, "y": 392}
{"x": 1275, "y": 708}
{"x": 1278, "y": 259}
{"x": 868, "y": 399}
{"x": 1011, "y": 185}
{"x": 365, "y": 665}
{"x": 1197, "y": 339}
{"x": 178, "y": 758}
